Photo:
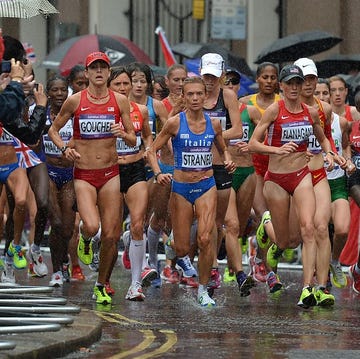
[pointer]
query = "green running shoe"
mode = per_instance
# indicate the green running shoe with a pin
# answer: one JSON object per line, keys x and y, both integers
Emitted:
{"x": 19, "y": 260}
{"x": 84, "y": 250}
{"x": 273, "y": 255}
{"x": 261, "y": 237}
{"x": 101, "y": 296}
{"x": 307, "y": 298}
{"x": 229, "y": 276}
{"x": 324, "y": 298}
{"x": 289, "y": 255}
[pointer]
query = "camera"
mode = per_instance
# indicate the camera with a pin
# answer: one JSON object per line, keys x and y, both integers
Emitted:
{"x": 5, "y": 66}
{"x": 36, "y": 87}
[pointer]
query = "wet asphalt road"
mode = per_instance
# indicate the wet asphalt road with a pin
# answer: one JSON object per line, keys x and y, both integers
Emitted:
{"x": 170, "y": 324}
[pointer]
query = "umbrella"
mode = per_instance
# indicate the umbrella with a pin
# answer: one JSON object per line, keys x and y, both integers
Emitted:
{"x": 302, "y": 44}
{"x": 73, "y": 51}
{"x": 26, "y": 8}
{"x": 338, "y": 64}
{"x": 193, "y": 51}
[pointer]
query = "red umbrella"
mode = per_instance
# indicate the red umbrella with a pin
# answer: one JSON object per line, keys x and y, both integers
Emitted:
{"x": 73, "y": 51}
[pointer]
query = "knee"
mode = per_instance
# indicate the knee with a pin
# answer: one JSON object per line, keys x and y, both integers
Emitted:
{"x": 232, "y": 226}
{"x": 322, "y": 232}
{"x": 20, "y": 203}
{"x": 204, "y": 240}
{"x": 90, "y": 229}
{"x": 308, "y": 232}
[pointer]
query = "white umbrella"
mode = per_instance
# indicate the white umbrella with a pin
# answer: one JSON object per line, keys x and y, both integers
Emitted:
{"x": 26, "y": 8}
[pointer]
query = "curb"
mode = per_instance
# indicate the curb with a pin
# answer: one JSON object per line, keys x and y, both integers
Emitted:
{"x": 85, "y": 330}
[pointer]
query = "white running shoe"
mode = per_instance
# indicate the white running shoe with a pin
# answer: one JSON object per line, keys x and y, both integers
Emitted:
{"x": 205, "y": 300}
{"x": 8, "y": 275}
{"x": 39, "y": 267}
{"x": 57, "y": 279}
{"x": 135, "y": 292}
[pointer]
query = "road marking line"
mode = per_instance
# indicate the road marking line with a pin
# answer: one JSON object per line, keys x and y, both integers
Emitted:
{"x": 149, "y": 337}
{"x": 171, "y": 340}
{"x": 121, "y": 317}
{"x": 104, "y": 316}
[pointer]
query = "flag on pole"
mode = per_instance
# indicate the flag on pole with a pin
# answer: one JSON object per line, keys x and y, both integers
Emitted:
{"x": 165, "y": 47}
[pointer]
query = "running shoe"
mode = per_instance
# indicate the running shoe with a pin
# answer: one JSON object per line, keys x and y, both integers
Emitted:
{"x": 185, "y": 267}
{"x": 169, "y": 251}
{"x": 337, "y": 276}
{"x": 190, "y": 282}
{"x": 245, "y": 283}
{"x": 307, "y": 298}
{"x": 215, "y": 279}
{"x": 66, "y": 272}
{"x": 135, "y": 293}
{"x": 147, "y": 275}
{"x": 39, "y": 267}
{"x": 100, "y": 295}
{"x": 205, "y": 301}
{"x": 2, "y": 263}
{"x": 31, "y": 272}
{"x": 229, "y": 275}
{"x": 57, "y": 279}
{"x": 156, "y": 283}
{"x": 8, "y": 275}
{"x": 76, "y": 273}
{"x": 109, "y": 290}
{"x": 257, "y": 269}
{"x": 289, "y": 255}
{"x": 170, "y": 275}
{"x": 94, "y": 265}
{"x": 84, "y": 250}
{"x": 125, "y": 256}
{"x": 323, "y": 297}
{"x": 244, "y": 243}
{"x": 273, "y": 282}
{"x": 17, "y": 253}
{"x": 273, "y": 255}
{"x": 356, "y": 278}
{"x": 261, "y": 236}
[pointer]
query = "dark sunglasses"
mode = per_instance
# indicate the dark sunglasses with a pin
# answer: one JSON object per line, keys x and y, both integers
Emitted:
{"x": 233, "y": 81}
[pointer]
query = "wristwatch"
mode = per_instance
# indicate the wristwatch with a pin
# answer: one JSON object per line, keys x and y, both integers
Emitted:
{"x": 156, "y": 175}
{"x": 63, "y": 149}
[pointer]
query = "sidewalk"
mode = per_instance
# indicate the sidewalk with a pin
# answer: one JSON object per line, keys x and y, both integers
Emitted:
{"x": 85, "y": 330}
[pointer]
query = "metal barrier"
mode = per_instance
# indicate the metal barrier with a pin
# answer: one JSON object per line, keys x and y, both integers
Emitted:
{"x": 25, "y": 289}
{"x": 7, "y": 345}
{"x": 35, "y": 320}
{"x": 30, "y": 328}
{"x": 41, "y": 309}
{"x": 35, "y": 301}
{"x": 22, "y": 310}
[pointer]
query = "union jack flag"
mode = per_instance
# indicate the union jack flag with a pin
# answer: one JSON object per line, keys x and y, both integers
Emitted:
{"x": 27, "y": 157}
{"x": 30, "y": 52}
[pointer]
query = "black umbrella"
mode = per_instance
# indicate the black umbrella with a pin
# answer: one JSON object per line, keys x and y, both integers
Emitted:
{"x": 73, "y": 51}
{"x": 194, "y": 51}
{"x": 338, "y": 64}
{"x": 302, "y": 44}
